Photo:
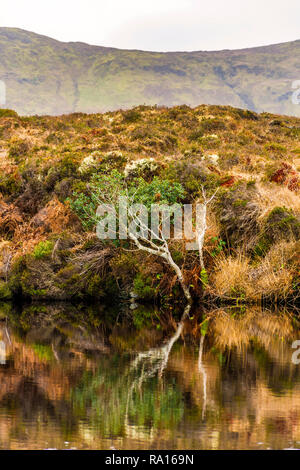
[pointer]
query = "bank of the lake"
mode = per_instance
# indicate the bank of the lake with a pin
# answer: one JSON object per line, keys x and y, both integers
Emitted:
{"x": 249, "y": 162}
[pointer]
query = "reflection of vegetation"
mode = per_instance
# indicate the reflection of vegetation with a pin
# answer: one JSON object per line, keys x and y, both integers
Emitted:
{"x": 161, "y": 408}
{"x": 43, "y": 352}
{"x": 144, "y": 317}
{"x": 110, "y": 402}
{"x": 86, "y": 386}
{"x": 136, "y": 395}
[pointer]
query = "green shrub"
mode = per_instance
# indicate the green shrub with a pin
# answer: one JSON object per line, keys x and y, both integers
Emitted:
{"x": 245, "y": 114}
{"x": 209, "y": 125}
{"x": 275, "y": 147}
{"x": 143, "y": 287}
{"x": 8, "y": 113}
{"x": 132, "y": 115}
{"x": 18, "y": 148}
{"x": 280, "y": 224}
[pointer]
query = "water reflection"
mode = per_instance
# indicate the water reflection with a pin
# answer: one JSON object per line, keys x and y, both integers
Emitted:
{"x": 81, "y": 378}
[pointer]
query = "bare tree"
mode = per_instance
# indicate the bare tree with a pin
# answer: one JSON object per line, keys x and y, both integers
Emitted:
{"x": 202, "y": 224}
{"x": 204, "y": 375}
{"x": 145, "y": 239}
{"x": 160, "y": 247}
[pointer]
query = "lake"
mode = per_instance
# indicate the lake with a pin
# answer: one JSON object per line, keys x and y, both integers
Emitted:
{"x": 98, "y": 377}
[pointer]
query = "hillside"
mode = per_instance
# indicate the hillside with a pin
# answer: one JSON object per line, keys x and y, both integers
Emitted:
{"x": 45, "y": 76}
{"x": 251, "y": 246}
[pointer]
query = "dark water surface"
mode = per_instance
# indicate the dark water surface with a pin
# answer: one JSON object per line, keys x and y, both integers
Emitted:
{"x": 70, "y": 380}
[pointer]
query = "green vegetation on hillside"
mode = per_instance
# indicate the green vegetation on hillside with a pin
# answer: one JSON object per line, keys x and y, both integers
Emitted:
{"x": 44, "y": 76}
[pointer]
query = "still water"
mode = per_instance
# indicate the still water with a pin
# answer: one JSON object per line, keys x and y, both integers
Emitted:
{"x": 88, "y": 379}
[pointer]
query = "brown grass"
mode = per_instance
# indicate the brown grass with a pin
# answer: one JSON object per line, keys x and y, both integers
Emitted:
{"x": 231, "y": 275}
{"x": 273, "y": 276}
{"x": 271, "y": 195}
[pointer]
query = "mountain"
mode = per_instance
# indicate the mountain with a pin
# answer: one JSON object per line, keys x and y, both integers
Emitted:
{"x": 45, "y": 76}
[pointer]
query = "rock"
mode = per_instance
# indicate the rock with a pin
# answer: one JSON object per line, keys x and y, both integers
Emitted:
{"x": 87, "y": 163}
{"x": 213, "y": 159}
{"x": 133, "y": 306}
{"x": 133, "y": 295}
{"x": 139, "y": 167}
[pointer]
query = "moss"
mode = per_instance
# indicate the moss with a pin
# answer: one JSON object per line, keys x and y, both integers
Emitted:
{"x": 5, "y": 292}
{"x": 15, "y": 275}
{"x": 70, "y": 280}
{"x": 280, "y": 224}
{"x": 32, "y": 277}
{"x": 10, "y": 184}
{"x": 43, "y": 249}
{"x": 34, "y": 293}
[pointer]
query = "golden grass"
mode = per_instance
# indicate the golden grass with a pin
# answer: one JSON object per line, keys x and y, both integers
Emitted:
{"x": 271, "y": 195}
{"x": 237, "y": 331}
{"x": 273, "y": 276}
{"x": 277, "y": 272}
{"x": 273, "y": 282}
{"x": 231, "y": 275}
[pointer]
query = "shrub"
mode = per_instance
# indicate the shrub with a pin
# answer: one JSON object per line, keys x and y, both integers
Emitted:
{"x": 280, "y": 224}
{"x": 132, "y": 115}
{"x": 143, "y": 287}
{"x": 209, "y": 125}
{"x": 5, "y": 292}
{"x": 245, "y": 114}
{"x": 8, "y": 113}
{"x": 275, "y": 147}
{"x": 238, "y": 216}
{"x": 18, "y": 148}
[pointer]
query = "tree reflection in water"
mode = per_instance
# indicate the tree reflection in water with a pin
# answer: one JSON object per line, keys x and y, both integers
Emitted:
{"x": 96, "y": 384}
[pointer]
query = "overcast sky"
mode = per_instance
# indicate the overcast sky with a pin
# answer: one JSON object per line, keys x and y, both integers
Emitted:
{"x": 158, "y": 25}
